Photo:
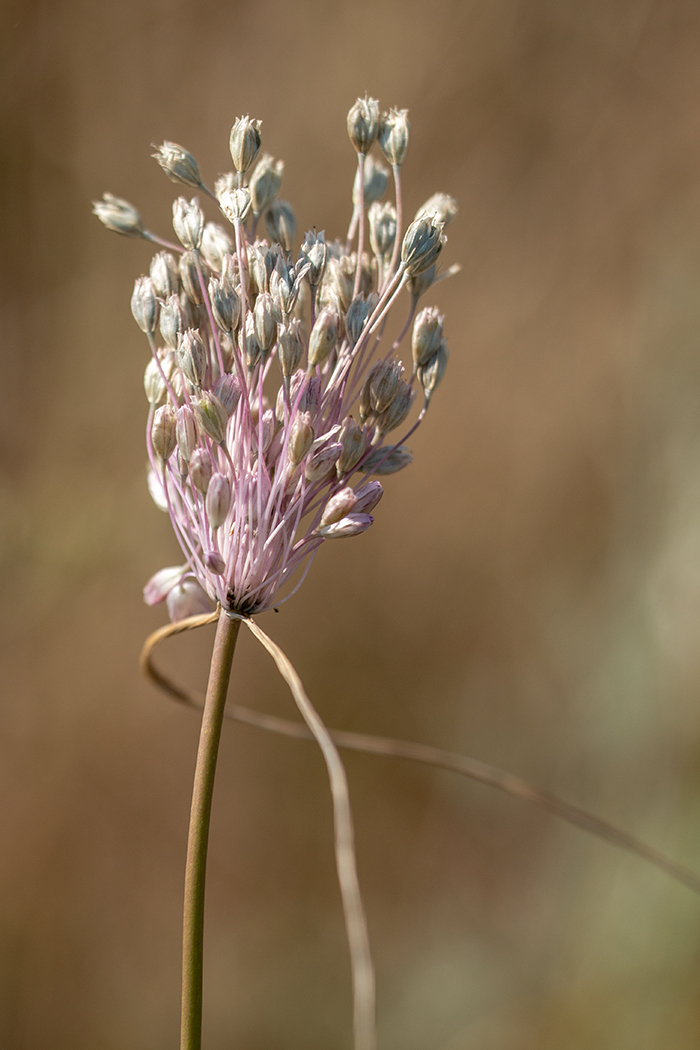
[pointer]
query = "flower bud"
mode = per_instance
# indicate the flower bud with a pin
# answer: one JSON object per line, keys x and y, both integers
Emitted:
{"x": 368, "y": 496}
{"x": 352, "y": 525}
{"x": 376, "y": 181}
{"x": 382, "y": 384}
{"x": 144, "y": 306}
{"x": 225, "y": 304}
{"x": 118, "y": 215}
{"x": 211, "y": 415}
{"x": 216, "y": 243}
{"x": 321, "y": 463}
{"x": 300, "y": 438}
{"x": 353, "y": 439}
{"x": 172, "y": 323}
{"x": 265, "y": 182}
{"x": 163, "y": 432}
{"x": 201, "y": 469}
{"x": 189, "y": 275}
{"x": 164, "y": 274}
{"x": 441, "y": 207}
{"x": 218, "y": 501}
{"x": 187, "y": 599}
{"x": 161, "y": 583}
{"x": 178, "y": 164}
{"x": 394, "y": 415}
{"x": 244, "y": 142}
{"x": 290, "y": 346}
{"x": 324, "y": 336}
{"x": 356, "y": 317}
{"x": 264, "y": 322}
{"x": 187, "y": 436}
{"x": 430, "y": 375}
{"x": 281, "y": 224}
{"x": 422, "y": 244}
{"x": 427, "y": 335}
{"x": 192, "y": 356}
{"x": 249, "y": 343}
{"x": 338, "y": 506}
{"x": 363, "y": 123}
{"x": 153, "y": 383}
{"x": 235, "y": 204}
{"x": 382, "y": 462}
{"x": 382, "y": 228}
{"x": 228, "y": 391}
{"x": 314, "y": 252}
{"x": 214, "y": 562}
{"x": 393, "y": 135}
{"x": 188, "y": 222}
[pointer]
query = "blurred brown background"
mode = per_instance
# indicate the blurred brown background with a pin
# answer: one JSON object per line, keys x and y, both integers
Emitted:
{"x": 529, "y": 594}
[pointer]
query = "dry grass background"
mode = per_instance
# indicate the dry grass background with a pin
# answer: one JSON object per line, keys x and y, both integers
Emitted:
{"x": 529, "y": 594}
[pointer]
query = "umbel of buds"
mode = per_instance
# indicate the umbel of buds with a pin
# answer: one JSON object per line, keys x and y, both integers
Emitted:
{"x": 253, "y": 487}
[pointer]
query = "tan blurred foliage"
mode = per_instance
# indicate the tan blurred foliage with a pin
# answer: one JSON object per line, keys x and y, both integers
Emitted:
{"x": 529, "y": 594}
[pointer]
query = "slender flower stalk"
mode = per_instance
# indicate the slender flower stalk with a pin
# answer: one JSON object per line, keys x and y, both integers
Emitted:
{"x": 198, "y": 839}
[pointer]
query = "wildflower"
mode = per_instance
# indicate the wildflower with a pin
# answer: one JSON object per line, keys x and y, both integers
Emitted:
{"x": 253, "y": 488}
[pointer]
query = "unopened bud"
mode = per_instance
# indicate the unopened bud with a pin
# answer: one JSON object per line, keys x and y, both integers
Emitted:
{"x": 441, "y": 207}
{"x": 322, "y": 462}
{"x": 393, "y": 135}
{"x": 290, "y": 346}
{"x": 216, "y": 243}
{"x": 228, "y": 391}
{"x": 118, "y": 215}
{"x": 153, "y": 383}
{"x": 163, "y": 432}
{"x": 430, "y": 375}
{"x": 187, "y": 599}
{"x": 422, "y": 244}
{"x": 188, "y": 222}
{"x": 314, "y": 252}
{"x": 144, "y": 306}
{"x": 164, "y": 274}
{"x": 338, "y": 506}
{"x": 324, "y": 336}
{"x": 214, "y": 562}
{"x": 264, "y": 321}
{"x": 192, "y": 356}
{"x": 427, "y": 335}
{"x": 187, "y": 436}
{"x": 368, "y": 496}
{"x": 225, "y": 304}
{"x": 376, "y": 180}
{"x": 235, "y": 204}
{"x": 178, "y": 164}
{"x": 249, "y": 343}
{"x": 244, "y": 142}
{"x": 189, "y": 275}
{"x": 212, "y": 416}
{"x": 356, "y": 317}
{"x": 218, "y": 501}
{"x": 352, "y": 525}
{"x": 172, "y": 322}
{"x": 382, "y": 228}
{"x": 281, "y": 224}
{"x": 265, "y": 182}
{"x": 363, "y": 123}
{"x": 300, "y": 438}
{"x": 161, "y": 583}
{"x": 201, "y": 469}
{"x": 353, "y": 439}
{"x": 382, "y": 384}
{"x": 394, "y": 415}
{"x": 382, "y": 462}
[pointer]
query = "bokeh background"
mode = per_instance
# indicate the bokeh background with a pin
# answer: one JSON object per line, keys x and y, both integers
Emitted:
{"x": 529, "y": 593}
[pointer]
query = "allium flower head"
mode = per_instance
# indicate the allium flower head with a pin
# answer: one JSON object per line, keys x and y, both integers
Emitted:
{"x": 272, "y": 392}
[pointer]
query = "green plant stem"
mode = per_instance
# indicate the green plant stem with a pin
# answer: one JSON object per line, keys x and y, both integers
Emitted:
{"x": 198, "y": 838}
